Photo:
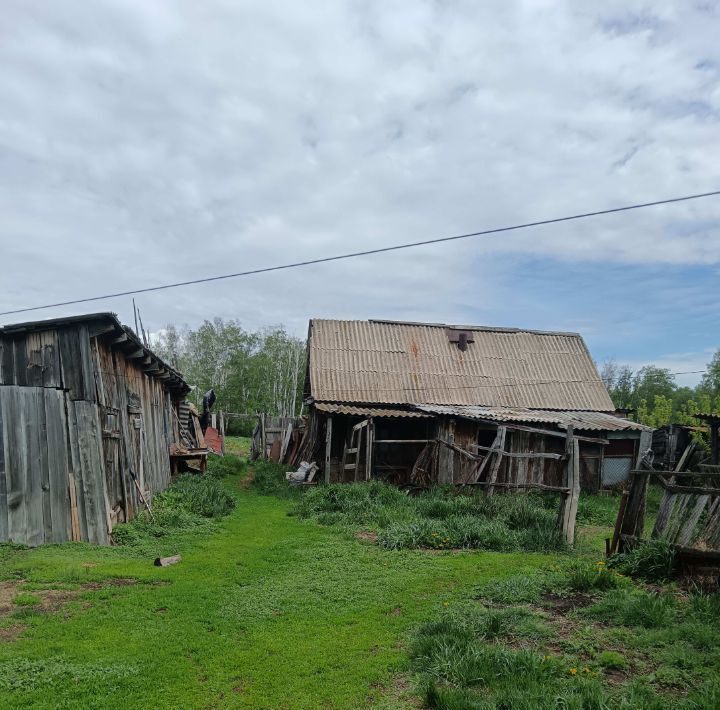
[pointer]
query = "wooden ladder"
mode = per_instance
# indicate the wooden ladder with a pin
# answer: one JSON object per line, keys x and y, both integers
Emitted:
{"x": 361, "y": 431}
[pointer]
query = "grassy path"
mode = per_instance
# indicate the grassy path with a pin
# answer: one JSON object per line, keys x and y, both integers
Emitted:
{"x": 266, "y": 612}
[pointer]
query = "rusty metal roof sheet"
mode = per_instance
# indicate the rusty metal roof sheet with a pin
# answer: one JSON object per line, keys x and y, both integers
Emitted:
{"x": 380, "y": 362}
{"x": 332, "y": 408}
{"x": 585, "y": 421}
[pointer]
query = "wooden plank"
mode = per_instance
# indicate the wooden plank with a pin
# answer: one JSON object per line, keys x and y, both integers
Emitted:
{"x": 544, "y": 432}
{"x": 517, "y": 455}
{"x": 328, "y": 446}
{"x": 7, "y": 362}
{"x": 4, "y": 536}
{"x": 486, "y": 460}
{"x": 76, "y": 362}
{"x": 359, "y": 432}
{"x": 686, "y": 532}
{"x": 77, "y": 496}
{"x": 492, "y": 476}
{"x": 44, "y": 463}
{"x": 529, "y": 485}
{"x": 702, "y": 490}
{"x": 618, "y": 523}
{"x": 16, "y": 464}
{"x": 574, "y": 492}
{"x": 76, "y": 530}
{"x": 34, "y": 413}
{"x": 21, "y": 361}
{"x": 90, "y": 472}
{"x": 59, "y": 500}
{"x": 369, "y": 450}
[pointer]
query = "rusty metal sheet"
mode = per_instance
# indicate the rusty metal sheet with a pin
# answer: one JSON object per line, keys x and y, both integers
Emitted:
{"x": 331, "y": 408}
{"x": 585, "y": 421}
{"x": 383, "y": 362}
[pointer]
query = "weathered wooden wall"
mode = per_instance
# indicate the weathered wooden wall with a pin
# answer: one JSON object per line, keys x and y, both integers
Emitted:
{"x": 76, "y": 420}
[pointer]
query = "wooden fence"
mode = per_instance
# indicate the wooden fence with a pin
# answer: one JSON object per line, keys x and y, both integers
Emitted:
{"x": 688, "y": 516}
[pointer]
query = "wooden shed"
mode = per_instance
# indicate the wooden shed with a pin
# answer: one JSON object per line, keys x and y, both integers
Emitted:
{"x": 421, "y": 403}
{"x": 88, "y": 418}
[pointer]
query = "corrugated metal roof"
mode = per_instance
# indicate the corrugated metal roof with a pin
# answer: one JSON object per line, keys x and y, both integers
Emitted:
{"x": 398, "y": 363}
{"x": 369, "y": 411}
{"x": 585, "y": 421}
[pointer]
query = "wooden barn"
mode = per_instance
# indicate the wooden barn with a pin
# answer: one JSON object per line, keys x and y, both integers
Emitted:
{"x": 88, "y": 419}
{"x": 416, "y": 403}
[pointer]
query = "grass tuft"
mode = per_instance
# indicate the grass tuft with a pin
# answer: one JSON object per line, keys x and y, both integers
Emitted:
{"x": 652, "y": 560}
{"x": 439, "y": 519}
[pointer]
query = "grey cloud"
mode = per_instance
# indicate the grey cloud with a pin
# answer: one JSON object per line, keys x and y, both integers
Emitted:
{"x": 143, "y": 143}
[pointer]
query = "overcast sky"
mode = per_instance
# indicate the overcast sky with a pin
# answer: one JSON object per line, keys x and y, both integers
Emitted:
{"x": 146, "y": 142}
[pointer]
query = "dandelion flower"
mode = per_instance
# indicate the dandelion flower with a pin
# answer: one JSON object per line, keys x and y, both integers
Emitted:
{"x": 573, "y": 671}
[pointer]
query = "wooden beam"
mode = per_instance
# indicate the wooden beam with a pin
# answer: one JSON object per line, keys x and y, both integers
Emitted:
{"x": 369, "y": 449}
{"x": 100, "y": 329}
{"x": 492, "y": 476}
{"x": 135, "y": 354}
{"x": 123, "y": 338}
{"x": 544, "y": 432}
{"x": 569, "y": 505}
{"x": 534, "y": 486}
{"x": 328, "y": 446}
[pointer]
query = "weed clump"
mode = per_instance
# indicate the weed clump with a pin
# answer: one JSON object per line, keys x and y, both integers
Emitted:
{"x": 652, "y": 560}
{"x": 439, "y": 519}
{"x": 634, "y": 607}
{"x": 187, "y": 507}
{"x": 269, "y": 479}
{"x": 228, "y": 465}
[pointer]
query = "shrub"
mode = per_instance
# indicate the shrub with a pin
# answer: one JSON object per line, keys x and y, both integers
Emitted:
{"x": 652, "y": 560}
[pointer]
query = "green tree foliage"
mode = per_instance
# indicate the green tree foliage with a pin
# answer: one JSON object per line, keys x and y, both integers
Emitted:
{"x": 261, "y": 371}
{"x": 655, "y": 398}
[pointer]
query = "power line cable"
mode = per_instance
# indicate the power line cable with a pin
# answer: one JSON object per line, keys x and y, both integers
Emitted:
{"x": 368, "y": 252}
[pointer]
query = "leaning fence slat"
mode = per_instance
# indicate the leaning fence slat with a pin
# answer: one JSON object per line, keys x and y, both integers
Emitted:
{"x": 492, "y": 476}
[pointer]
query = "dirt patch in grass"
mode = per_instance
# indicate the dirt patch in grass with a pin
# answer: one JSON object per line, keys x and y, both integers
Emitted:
{"x": 46, "y": 601}
{"x": 560, "y": 605}
{"x": 10, "y": 633}
{"x": 398, "y": 693}
{"x": 367, "y": 536}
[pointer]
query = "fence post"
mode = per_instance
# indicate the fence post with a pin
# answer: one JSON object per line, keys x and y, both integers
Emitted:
{"x": 569, "y": 505}
{"x": 328, "y": 446}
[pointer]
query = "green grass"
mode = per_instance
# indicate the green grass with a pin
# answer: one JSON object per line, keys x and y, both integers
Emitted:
{"x": 264, "y": 611}
{"x": 442, "y": 518}
{"x": 527, "y": 644}
{"x": 238, "y": 445}
{"x": 24, "y": 599}
{"x": 276, "y": 604}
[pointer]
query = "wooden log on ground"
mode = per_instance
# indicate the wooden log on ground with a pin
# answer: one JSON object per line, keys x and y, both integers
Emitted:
{"x": 167, "y": 561}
